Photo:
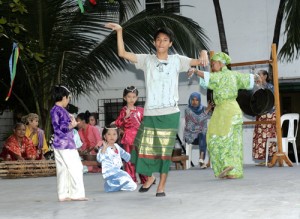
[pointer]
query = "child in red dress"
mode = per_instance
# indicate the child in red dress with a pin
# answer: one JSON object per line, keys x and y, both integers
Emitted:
{"x": 129, "y": 120}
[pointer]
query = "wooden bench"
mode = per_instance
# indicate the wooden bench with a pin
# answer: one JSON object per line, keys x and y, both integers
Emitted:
{"x": 180, "y": 161}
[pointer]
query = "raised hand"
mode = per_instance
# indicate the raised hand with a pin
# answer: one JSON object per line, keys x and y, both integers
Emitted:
{"x": 203, "y": 59}
{"x": 113, "y": 26}
{"x": 209, "y": 107}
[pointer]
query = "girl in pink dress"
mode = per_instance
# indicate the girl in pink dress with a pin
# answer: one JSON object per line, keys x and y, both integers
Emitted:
{"x": 90, "y": 138}
{"x": 129, "y": 120}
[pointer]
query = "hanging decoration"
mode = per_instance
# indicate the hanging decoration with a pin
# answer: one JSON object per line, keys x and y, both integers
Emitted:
{"x": 93, "y": 2}
{"x": 80, "y": 4}
{"x": 13, "y": 60}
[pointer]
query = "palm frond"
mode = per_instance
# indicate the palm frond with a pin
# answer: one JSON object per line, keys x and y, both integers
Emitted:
{"x": 291, "y": 48}
{"x": 138, "y": 37}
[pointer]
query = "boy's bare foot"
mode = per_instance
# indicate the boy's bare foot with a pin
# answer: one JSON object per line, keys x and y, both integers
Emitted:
{"x": 65, "y": 199}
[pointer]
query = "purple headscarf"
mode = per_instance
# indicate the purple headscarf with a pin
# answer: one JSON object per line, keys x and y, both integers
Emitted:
{"x": 198, "y": 110}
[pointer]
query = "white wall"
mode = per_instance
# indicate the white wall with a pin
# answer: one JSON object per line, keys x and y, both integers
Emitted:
{"x": 249, "y": 27}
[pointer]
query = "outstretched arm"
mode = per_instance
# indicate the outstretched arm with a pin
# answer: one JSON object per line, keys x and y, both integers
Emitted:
{"x": 121, "y": 49}
{"x": 196, "y": 72}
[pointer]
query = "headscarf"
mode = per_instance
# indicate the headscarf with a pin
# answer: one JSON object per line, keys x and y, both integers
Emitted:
{"x": 222, "y": 57}
{"x": 199, "y": 108}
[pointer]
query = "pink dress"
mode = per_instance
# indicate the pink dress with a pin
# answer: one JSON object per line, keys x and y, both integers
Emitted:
{"x": 130, "y": 126}
{"x": 90, "y": 138}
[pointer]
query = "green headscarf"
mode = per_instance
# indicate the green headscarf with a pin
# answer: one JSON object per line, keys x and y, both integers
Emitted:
{"x": 222, "y": 57}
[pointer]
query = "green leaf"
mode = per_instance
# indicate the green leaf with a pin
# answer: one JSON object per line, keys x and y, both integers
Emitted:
{"x": 3, "y": 20}
{"x": 17, "y": 30}
{"x": 38, "y": 57}
{"x": 20, "y": 46}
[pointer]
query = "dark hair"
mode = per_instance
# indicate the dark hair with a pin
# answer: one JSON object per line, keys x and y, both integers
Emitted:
{"x": 265, "y": 73}
{"x": 84, "y": 116}
{"x": 60, "y": 91}
{"x": 164, "y": 30}
{"x": 105, "y": 130}
{"x": 95, "y": 115}
{"x": 18, "y": 124}
{"x": 130, "y": 89}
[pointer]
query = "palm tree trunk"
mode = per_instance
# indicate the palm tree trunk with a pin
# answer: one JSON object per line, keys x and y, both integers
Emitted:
{"x": 277, "y": 30}
{"x": 222, "y": 36}
{"x": 221, "y": 28}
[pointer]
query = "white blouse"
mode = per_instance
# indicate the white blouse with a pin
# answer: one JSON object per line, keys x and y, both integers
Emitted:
{"x": 161, "y": 79}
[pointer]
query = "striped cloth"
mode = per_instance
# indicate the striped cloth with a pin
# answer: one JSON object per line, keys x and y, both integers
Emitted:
{"x": 154, "y": 144}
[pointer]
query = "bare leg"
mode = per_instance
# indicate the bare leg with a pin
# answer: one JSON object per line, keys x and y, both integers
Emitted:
{"x": 162, "y": 182}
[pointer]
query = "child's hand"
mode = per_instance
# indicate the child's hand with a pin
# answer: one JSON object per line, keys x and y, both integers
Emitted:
{"x": 73, "y": 122}
{"x": 190, "y": 72}
{"x": 113, "y": 26}
{"x": 105, "y": 146}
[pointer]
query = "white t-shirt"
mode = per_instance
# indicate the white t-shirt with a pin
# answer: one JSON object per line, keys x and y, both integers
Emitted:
{"x": 161, "y": 79}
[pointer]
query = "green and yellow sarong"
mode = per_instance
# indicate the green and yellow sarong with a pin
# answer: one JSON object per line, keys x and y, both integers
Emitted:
{"x": 154, "y": 144}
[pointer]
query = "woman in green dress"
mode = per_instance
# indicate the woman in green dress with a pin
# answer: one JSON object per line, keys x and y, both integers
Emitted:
{"x": 224, "y": 134}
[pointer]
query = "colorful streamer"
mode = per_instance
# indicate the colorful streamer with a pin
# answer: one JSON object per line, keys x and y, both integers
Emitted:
{"x": 80, "y": 4}
{"x": 13, "y": 60}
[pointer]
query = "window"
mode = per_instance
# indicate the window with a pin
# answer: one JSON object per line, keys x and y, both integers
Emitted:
{"x": 172, "y": 5}
{"x": 109, "y": 109}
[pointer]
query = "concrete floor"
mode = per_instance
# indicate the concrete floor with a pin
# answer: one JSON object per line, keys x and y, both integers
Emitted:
{"x": 263, "y": 193}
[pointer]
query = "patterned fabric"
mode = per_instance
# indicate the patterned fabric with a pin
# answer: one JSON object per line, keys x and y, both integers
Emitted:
{"x": 115, "y": 178}
{"x": 194, "y": 124}
{"x": 63, "y": 136}
{"x": 38, "y": 140}
{"x": 154, "y": 144}
{"x": 225, "y": 151}
{"x": 261, "y": 134}
{"x": 11, "y": 148}
{"x": 222, "y": 57}
{"x": 224, "y": 134}
{"x": 130, "y": 126}
{"x": 225, "y": 85}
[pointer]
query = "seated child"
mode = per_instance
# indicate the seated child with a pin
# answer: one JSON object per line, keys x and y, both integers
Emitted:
{"x": 110, "y": 156}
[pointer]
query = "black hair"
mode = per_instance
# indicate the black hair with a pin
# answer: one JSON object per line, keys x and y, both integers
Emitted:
{"x": 84, "y": 116}
{"x": 130, "y": 89}
{"x": 265, "y": 73}
{"x": 95, "y": 115}
{"x": 107, "y": 127}
{"x": 60, "y": 91}
{"x": 18, "y": 124}
{"x": 164, "y": 30}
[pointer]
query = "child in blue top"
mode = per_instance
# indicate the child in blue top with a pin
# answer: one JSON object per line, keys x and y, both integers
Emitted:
{"x": 110, "y": 156}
